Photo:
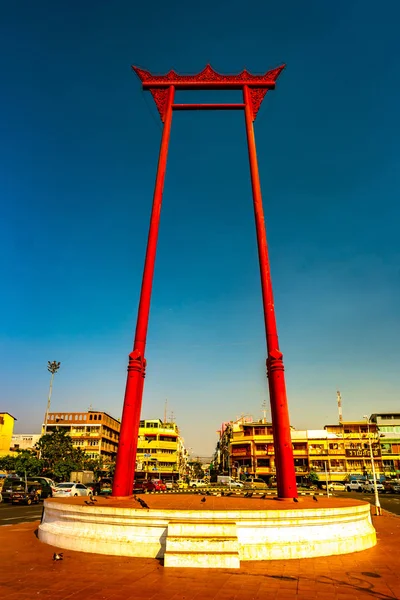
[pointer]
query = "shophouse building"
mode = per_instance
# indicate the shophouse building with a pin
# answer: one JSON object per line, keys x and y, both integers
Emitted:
{"x": 160, "y": 451}
{"x": 95, "y": 432}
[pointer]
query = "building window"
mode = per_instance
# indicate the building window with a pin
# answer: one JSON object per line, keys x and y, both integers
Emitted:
{"x": 260, "y": 431}
{"x": 90, "y": 417}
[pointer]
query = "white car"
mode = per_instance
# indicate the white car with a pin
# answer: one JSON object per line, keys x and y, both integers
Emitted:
{"x": 368, "y": 486}
{"x": 70, "y": 488}
{"x": 195, "y": 483}
{"x": 354, "y": 485}
{"x": 235, "y": 484}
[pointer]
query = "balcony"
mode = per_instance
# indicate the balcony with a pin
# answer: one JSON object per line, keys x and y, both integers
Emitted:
{"x": 155, "y": 445}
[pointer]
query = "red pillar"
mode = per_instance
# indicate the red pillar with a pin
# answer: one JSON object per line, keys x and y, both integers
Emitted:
{"x": 126, "y": 456}
{"x": 285, "y": 473}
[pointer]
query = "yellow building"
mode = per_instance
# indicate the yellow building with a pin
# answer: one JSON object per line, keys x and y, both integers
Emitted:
{"x": 336, "y": 452}
{"x": 6, "y": 432}
{"x": 95, "y": 432}
{"x": 160, "y": 451}
{"x": 351, "y": 450}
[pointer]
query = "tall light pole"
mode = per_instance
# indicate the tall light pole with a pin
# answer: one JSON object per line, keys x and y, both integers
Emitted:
{"x": 377, "y": 502}
{"x": 52, "y": 367}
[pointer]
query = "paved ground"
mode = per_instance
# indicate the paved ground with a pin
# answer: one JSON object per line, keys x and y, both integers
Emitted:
{"x": 212, "y": 502}
{"x": 27, "y": 571}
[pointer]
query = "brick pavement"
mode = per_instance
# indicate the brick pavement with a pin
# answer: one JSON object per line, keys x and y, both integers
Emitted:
{"x": 27, "y": 571}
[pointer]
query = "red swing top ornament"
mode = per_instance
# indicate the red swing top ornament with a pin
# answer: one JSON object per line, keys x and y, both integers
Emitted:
{"x": 208, "y": 79}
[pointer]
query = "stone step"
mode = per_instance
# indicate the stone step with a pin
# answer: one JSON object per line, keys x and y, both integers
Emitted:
{"x": 202, "y": 544}
{"x": 209, "y": 544}
{"x": 213, "y": 560}
{"x": 212, "y": 528}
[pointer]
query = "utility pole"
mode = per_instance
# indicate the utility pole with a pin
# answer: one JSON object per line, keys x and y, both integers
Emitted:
{"x": 377, "y": 501}
{"x": 264, "y": 407}
{"x": 52, "y": 367}
{"x": 339, "y": 403}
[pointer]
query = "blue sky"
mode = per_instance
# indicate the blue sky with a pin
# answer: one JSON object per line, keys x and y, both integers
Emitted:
{"x": 78, "y": 157}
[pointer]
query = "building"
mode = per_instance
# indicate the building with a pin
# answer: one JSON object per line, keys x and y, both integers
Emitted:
{"x": 389, "y": 431}
{"x": 160, "y": 451}
{"x": 246, "y": 448}
{"x": 24, "y": 441}
{"x": 6, "y": 432}
{"x": 353, "y": 445}
{"x": 95, "y": 432}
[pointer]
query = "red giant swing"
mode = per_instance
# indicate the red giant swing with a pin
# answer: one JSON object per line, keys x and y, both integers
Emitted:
{"x": 254, "y": 89}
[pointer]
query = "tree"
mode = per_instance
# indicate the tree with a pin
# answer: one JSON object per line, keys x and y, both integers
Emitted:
{"x": 7, "y": 463}
{"x": 313, "y": 477}
{"x": 58, "y": 455}
{"x": 28, "y": 463}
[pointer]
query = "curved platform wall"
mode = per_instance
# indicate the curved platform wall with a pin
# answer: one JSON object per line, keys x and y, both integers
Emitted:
{"x": 253, "y": 535}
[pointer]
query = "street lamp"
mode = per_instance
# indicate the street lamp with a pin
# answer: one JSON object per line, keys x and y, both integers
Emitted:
{"x": 52, "y": 367}
{"x": 377, "y": 502}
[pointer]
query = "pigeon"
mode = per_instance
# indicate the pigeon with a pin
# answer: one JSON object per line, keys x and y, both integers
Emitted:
{"x": 263, "y": 496}
{"x": 94, "y": 499}
{"x": 315, "y": 498}
{"x": 143, "y": 503}
{"x": 229, "y": 494}
{"x": 295, "y": 500}
{"x": 89, "y": 503}
{"x": 203, "y": 499}
{"x": 222, "y": 493}
{"x": 208, "y": 493}
{"x": 58, "y": 556}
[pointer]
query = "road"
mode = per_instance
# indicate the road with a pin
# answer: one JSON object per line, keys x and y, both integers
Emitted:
{"x": 11, "y": 515}
{"x": 390, "y": 502}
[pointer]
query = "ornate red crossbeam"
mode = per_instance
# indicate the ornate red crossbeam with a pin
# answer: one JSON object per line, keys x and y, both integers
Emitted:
{"x": 208, "y": 79}
{"x": 163, "y": 87}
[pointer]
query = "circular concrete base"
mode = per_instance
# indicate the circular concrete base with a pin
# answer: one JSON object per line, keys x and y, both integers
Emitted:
{"x": 218, "y": 532}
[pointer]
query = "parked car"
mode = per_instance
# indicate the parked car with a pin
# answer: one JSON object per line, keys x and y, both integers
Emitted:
{"x": 335, "y": 486}
{"x": 70, "y": 488}
{"x": 354, "y": 485}
{"x": 254, "y": 483}
{"x": 48, "y": 486}
{"x": 392, "y": 486}
{"x": 104, "y": 486}
{"x": 26, "y": 495}
{"x": 181, "y": 485}
{"x": 195, "y": 483}
{"x": 369, "y": 487}
{"x": 226, "y": 480}
{"x": 150, "y": 485}
{"x": 236, "y": 484}
{"x": 11, "y": 485}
